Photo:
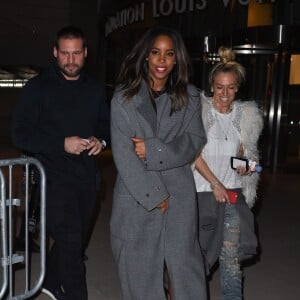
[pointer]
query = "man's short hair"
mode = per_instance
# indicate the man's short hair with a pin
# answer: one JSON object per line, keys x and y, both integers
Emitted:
{"x": 70, "y": 32}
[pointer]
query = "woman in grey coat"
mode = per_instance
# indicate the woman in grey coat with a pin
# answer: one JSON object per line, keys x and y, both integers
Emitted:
{"x": 156, "y": 132}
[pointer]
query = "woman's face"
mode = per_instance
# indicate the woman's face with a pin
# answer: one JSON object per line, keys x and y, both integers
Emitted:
{"x": 161, "y": 61}
{"x": 224, "y": 88}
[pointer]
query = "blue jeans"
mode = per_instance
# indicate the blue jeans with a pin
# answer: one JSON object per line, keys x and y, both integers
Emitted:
{"x": 230, "y": 269}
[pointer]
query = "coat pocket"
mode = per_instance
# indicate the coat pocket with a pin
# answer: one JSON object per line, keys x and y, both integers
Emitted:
{"x": 130, "y": 220}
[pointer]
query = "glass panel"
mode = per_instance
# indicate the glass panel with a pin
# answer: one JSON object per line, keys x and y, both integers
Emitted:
{"x": 290, "y": 131}
{"x": 258, "y": 87}
{"x": 295, "y": 69}
{"x": 271, "y": 81}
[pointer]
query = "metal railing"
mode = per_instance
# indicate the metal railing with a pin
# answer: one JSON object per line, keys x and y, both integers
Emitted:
{"x": 8, "y": 258}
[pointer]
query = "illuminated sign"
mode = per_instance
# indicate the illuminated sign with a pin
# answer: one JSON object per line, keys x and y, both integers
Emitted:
{"x": 133, "y": 14}
{"x": 125, "y": 17}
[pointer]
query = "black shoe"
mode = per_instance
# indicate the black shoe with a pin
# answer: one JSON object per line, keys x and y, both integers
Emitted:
{"x": 54, "y": 294}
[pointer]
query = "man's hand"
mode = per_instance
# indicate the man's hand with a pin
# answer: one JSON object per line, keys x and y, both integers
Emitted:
{"x": 163, "y": 206}
{"x": 94, "y": 146}
{"x": 139, "y": 147}
{"x": 75, "y": 144}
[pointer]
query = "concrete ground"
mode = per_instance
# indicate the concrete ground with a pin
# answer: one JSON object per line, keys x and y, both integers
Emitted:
{"x": 274, "y": 276}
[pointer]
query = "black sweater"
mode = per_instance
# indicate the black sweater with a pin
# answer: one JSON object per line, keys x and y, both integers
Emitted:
{"x": 52, "y": 108}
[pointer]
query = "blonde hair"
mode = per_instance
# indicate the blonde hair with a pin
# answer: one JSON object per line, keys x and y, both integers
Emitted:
{"x": 227, "y": 64}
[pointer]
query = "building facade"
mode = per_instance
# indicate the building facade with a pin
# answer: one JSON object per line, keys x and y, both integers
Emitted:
{"x": 265, "y": 35}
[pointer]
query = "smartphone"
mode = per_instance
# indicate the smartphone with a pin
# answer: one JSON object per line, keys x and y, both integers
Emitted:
{"x": 239, "y": 162}
{"x": 233, "y": 196}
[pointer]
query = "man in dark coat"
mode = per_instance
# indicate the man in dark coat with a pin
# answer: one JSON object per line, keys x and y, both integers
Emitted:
{"x": 63, "y": 119}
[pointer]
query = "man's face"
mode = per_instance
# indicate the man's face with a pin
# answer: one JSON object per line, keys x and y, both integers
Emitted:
{"x": 70, "y": 56}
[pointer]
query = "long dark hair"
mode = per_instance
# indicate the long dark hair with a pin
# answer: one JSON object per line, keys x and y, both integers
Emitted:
{"x": 135, "y": 68}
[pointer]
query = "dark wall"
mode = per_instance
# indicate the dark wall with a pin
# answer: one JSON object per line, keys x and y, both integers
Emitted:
{"x": 28, "y": 28}
{"x": 8, "y": 99}
{"x": 85, "y": 14}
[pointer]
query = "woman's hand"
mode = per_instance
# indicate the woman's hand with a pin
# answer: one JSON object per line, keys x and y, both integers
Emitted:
{"x": 139, "y": 147}
{"x": 163, "y": 206}
{"x": 242, "y": 171}
{"x": 220, "y": 193}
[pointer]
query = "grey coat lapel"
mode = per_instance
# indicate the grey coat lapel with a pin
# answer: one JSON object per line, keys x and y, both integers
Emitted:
{"x": 163, "y": 108}
{"x": 145, "y": 109}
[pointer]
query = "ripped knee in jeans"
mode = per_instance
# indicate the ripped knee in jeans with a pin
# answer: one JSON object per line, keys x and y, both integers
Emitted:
{"x": 229, "y": 252}
{"x": 229, "y": 258}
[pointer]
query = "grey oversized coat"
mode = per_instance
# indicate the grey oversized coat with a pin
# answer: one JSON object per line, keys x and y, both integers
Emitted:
{"x": 143, "y": 238}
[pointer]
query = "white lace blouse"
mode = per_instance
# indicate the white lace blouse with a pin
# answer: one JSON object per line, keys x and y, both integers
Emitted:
{"x": 223, "y": 141}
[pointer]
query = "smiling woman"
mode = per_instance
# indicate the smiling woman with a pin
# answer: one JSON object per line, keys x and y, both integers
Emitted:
{"x": 225, "y": 195}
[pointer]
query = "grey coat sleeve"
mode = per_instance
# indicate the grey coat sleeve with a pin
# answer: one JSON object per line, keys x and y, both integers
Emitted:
{"x": 146, "y": 187}
{"x": 183, "y": 149}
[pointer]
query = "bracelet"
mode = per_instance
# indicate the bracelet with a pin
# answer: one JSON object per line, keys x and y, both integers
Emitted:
{"x": 103, "y": 144}
{"x": 213, "y": 185}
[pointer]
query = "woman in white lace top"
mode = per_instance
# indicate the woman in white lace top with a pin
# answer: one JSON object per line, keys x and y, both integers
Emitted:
{"x": 226, "y": 230}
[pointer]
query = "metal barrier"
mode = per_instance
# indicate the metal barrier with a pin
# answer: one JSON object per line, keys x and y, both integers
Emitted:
{"x": 8, "y": 259}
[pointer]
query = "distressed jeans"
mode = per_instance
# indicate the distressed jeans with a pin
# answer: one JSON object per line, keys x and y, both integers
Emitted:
{"x": 230, "y": 271}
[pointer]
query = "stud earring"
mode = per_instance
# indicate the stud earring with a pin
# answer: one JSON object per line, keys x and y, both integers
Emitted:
{"x": 174, "y": 62}
{"x": 146, "y": 58}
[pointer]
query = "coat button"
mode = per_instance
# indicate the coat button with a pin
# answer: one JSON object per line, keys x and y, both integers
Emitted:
{"x": 161, "y": 162}
{"x": 147, "y": 195}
